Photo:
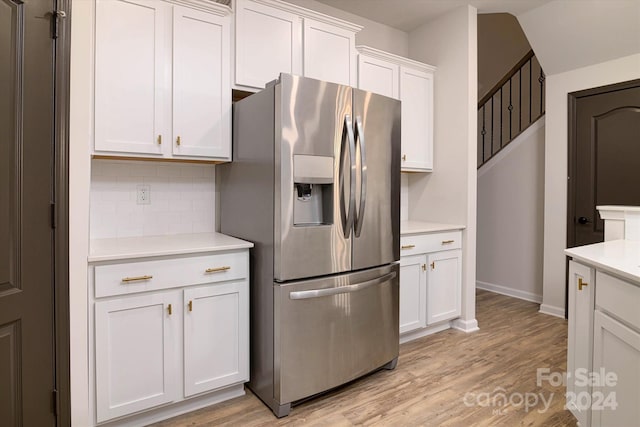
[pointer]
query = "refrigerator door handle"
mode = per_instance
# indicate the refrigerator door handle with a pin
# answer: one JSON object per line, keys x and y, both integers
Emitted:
{"x": 359, "y": 216}
{"x": 317, "y": 293}
{"x": 348, "y": 218}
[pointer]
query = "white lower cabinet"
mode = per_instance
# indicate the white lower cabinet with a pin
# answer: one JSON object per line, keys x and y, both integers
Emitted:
{"x": 603, "y": 349}
{"x": 216, "y": 326}
{"x": 616, "y": 354}
{"x": 413, "y": 293}
{"x": 444, "y": 286}
{"x": 430, "y": 280}
{"x": 580, "y": 338}
{"x": 135, "y": 357}
{"x": 184, "y": 338}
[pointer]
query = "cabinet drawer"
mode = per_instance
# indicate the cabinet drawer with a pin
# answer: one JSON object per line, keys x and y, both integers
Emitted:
{"x": 142, "y": 276}
{"x": 621, "y": 299}
{"x": 423, "y": 243}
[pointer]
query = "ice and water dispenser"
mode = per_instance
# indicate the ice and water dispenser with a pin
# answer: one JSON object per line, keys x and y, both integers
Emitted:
{"x": 313, "y": 190}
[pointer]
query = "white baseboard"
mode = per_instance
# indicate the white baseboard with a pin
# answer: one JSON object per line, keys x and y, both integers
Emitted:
{"x": 510, "y": 292}
{"x": 465, "y": 325}
{"x": 173, "y": 410}
{"x": 551, "y": 310}
{"x": 423, "y": 332}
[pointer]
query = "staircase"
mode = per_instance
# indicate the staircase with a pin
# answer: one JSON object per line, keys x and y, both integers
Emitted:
{"x": 511, "y": 106}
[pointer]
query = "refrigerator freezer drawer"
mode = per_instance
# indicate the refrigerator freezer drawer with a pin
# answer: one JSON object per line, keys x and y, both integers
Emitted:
{"x": 330, "y": 331}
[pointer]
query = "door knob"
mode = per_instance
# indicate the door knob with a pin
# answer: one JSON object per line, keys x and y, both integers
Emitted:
{"x": 583, "y": 220}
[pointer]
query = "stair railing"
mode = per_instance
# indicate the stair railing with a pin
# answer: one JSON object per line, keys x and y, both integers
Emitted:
{"x": 510, "y": 107}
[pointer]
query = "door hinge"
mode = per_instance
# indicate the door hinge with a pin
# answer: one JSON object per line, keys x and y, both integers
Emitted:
{"x": 56, "y": 16}
{"x": 54, "y": 219}
{"x": 54, "y": 401}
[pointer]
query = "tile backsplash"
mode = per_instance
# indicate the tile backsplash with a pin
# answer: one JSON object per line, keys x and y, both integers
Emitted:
{"x": 181, "y": 195}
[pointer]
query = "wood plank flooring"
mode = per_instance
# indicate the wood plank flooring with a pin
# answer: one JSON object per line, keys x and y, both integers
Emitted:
{"x": 447, "y": 379}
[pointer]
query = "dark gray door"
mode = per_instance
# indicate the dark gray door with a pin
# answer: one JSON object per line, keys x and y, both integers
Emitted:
{"x": 376, "y": 237}
{"x": 604, "y": 156}
{"x": 26, "y": 191}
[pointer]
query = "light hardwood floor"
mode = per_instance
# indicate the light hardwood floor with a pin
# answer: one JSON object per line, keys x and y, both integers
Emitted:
{"x": 447, "y": 379}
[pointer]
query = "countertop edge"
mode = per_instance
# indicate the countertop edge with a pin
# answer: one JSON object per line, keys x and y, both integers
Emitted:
{"x": 124, "y": 250}
{"x": 608, "y": 268}
{"x": 419, "y": 227}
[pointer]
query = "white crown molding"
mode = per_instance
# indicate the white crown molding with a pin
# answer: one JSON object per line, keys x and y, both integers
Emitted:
{"x": 209, "y": 6}
{"x": 312, "y": 14}
{"x": 396, "y": 59}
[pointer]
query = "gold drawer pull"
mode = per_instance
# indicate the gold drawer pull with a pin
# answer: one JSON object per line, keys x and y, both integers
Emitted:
{"x": 404, "y": 157}
{"x": 217, "y": 269}
{"x": 190, "y": 305}
{"x": 446, "y": 242}
{"x": 178, "y": 141}
{"x": 433, "y": 265}
{"x": 137, "y": 278}
{"x": 408, "y": 247}
{"x": 170, "y": 309}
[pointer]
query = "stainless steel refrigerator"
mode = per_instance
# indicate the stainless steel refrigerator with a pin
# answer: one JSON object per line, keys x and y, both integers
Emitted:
{"x": 315, "y": 184}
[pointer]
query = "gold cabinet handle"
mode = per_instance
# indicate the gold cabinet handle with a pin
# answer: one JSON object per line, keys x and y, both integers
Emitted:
{"x": 190, "y": 305}
{"x": 404, "y": 157}
{"x": 137, "y": 278}
{"x": 446, "y": 242}
{"x": 159, "y": 139}
{"x": 424, "y": 267}
{"x": 217, "y": 269}
{"x": 433, "y": 265}
{"x": 169, "y": 309}
{"x": 407, "y": 247}
{"x": 178, "y": 140}
{"x": 581, "y": 284}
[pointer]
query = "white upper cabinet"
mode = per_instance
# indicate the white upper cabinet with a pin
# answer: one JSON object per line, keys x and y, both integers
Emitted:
{"x": 411, "y": 82}
{"x": 162, "y": 80}
{"x": 329, "y": 53}
{"x": 201, "y": 92}
{"x": 378, "y": 76}
{"x": 268, "y": 42}
{"x": 130, "y": 75}
{"x": 416, "y": 93}
{"x": 273, "y": 37}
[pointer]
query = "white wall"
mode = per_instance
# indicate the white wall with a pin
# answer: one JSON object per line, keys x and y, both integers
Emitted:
{"x": 510, "y": 217}
{"x": 556, "y": 140}
{"x": 373, "y": 34}
{"x": 182, "y": 198}
{"x": 448, "y": 194}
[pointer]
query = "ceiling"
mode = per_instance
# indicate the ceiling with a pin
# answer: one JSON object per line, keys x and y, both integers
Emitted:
{"x": 407, "y": 15}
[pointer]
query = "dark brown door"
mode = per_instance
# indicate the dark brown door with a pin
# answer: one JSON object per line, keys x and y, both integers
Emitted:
{"x": 604, "y": 162}
{"x": 26, "y": 234}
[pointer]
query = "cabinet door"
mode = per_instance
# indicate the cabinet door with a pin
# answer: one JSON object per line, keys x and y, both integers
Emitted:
{"x": 416, "y": 94}
{"x": 268, "y": 42}
{"x": 413, "y": 293}
{"x": 216, "y": 336}
{"x": 130, "y": 55}
{"x": 444, "y": 286}
{"x": 329, "y": 53}
{"x": 135, "y": 340}
{"x": 616, "y": 351}
{"x": 378, "y": 76}
{"x": 201, "y": 81}
{"x": 579, "y": 343}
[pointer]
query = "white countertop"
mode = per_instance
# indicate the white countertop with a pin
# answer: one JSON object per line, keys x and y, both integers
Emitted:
{"x": 148, "y": 246}
{"x": 418, "y": 227}
{"x": 619, "y": 257}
